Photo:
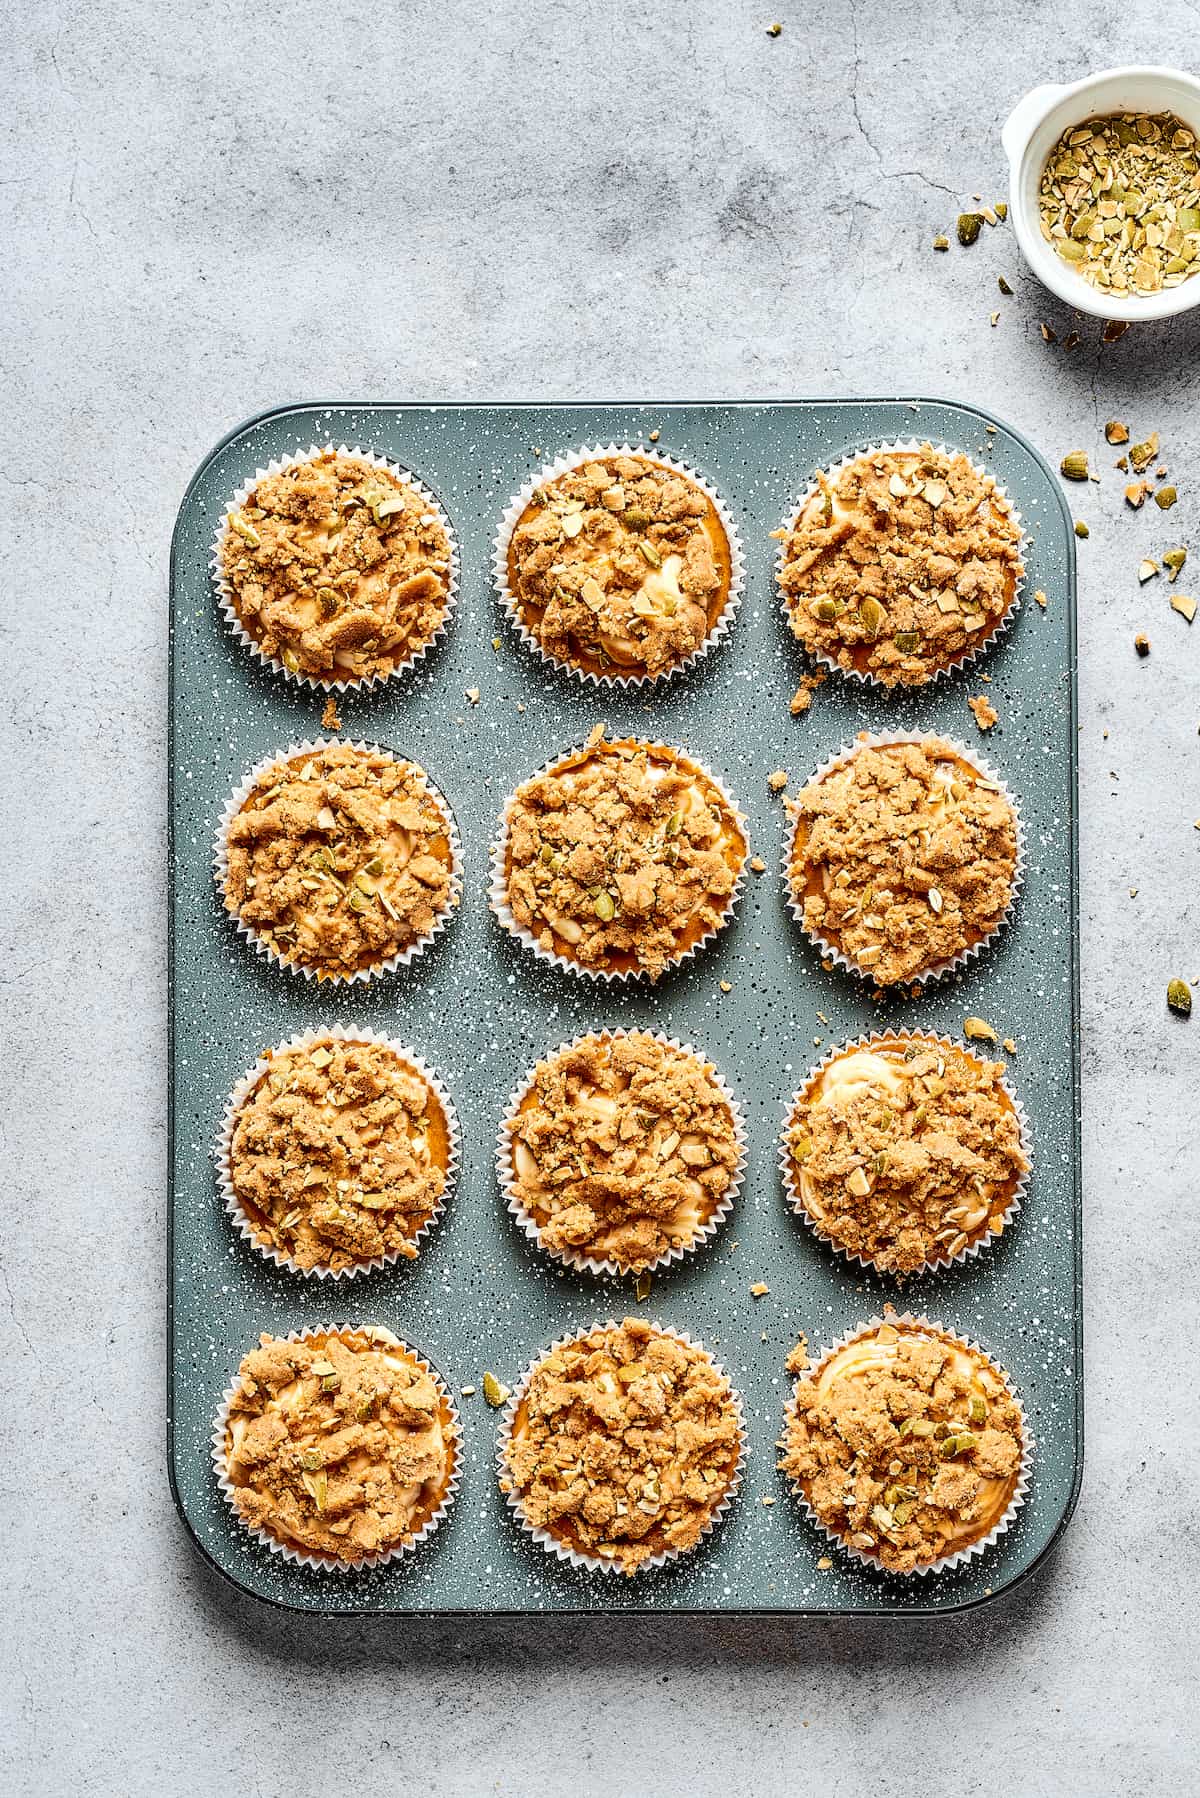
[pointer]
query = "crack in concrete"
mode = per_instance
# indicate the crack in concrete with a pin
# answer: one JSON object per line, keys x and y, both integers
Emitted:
{"x": 888, "y": 174}
{"x": 22, "y": 1332}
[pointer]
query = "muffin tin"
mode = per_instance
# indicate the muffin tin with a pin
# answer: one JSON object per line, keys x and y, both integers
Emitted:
{"x": 481, "y": 1009}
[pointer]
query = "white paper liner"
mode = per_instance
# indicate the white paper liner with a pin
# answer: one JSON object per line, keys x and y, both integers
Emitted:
{"x": 867, "y": 677}
{"x": 512, "y": 607}
{"x": 960, "y": 1556}
{"x": 228, "y": 605}
{"x": 299, "y": 1557}
{"x": 497, "y": 886}
{"x": 236, "y": 1212}
{"x": 562, "y": 1551}
{"x": 795, "y": 1197}
{"x": 795, "y": 904}
{"x": 591, "y": 1264}
{"x": 402, "y": 957}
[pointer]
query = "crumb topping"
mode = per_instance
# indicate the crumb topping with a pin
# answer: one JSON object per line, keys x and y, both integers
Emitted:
{"x": 624, "y": 1444}
{"x": 620, "y": 566}
{"x": 338, "y": 569}
{"x": 339, "y": 1153}
{"x": 906, "y": 1152}
{"x": 906, "y": 1444}
{"x": 340, "y": 1445}
{"x": 901, "y": 563}
{"x": 340, "y": 858}
{"x": 983, "y": 711}
{"x": 622, "y": 1148}
{"x": 903, "y": 857}
{"x": 623, "y": 856}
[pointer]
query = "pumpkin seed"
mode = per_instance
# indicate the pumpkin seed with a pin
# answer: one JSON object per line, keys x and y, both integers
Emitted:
{"x": 493, "y": 1391}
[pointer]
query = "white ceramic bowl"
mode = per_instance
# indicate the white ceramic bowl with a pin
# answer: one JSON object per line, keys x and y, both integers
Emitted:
{"x": 1034, "y": 127}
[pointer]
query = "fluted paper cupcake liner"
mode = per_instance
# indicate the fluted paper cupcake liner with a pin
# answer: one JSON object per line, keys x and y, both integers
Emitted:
{"x": 603, "y": 680}
{"x": 498, "y": 884}
{"x": 866, "y": 678}
{"x": 795, "y": 1197}
{"x": 300, "y": 1557}
{"x": 390, "y": 963}
{"x": 939, "y": 971}
{"x": 553, "y": 1545}
{"x": 228, "y": 604}
{"x": 575, "y": 1259}
{"x": 959, "y": 1556}
{"x": 245, "y": 1087}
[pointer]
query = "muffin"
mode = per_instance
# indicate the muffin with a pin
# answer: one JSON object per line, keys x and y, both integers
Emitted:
{"x": 337, "y": 1152}
{"x": 905, "y": 1151}
{"x": 618, "y": 566}
{"x": 337, "y": 568}
{"x": 622, "y": 1446}
{"x": 905, "y": 856}
{"x": 339, "y": 859}
{"x": 901, "y": 563}
{"x": 622, "y": 1151}
{"x": 341, "y": 1445}
{"x": 907, "y": 1445}
{"x": 619, "y": 859}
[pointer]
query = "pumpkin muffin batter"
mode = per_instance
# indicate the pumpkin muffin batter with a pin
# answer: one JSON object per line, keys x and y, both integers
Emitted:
{"x": 340, "y": 1445}
{"x": 901, "y": 563}
{"x": 620, "y": 566}
{"x": 906, "y": 1443}
{"x": 621, "y": 856}
{"x": 339, "y": 1153}
{"x": 339, "y": 858}
{"x": 338, "y": 569}
{"x": 905, "y": 1151}
{"x": 903, "y": 856}
{"x": 624, "y": 1443}
{"x": 621, "y": 1149}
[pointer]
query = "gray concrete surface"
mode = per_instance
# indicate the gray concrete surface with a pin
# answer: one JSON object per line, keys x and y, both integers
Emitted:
{"x": 210, "y": 209}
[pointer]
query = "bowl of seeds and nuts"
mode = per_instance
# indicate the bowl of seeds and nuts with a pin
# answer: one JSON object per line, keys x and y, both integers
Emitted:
{"x": 1105, "y": 195}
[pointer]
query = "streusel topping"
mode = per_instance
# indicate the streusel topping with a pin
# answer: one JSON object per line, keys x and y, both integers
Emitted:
{"x": 622, "y": 1148}
{"x": 340, "y": 858}
{"x": 901, "y": 563}
{"x": 620, "y": 566}
{"x": 905, "y": 1151}
{"x": 903, "y": 857}
{"x": 624, "y": 1444}
{"x": 622, "y": 856}
{"x": 339, "y": 1153}
{"x": 906, "y": 1444}
{"x": 340, "y": 1445}
{"x": 338, "y": 569}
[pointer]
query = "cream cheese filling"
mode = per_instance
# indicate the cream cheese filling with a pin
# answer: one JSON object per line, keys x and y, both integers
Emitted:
{"x": 660, "y": 1146}
{"x": 300, "y": 1393}
{"x": 845, "y": 1080}
{"x": 878, "y": 1355}
{"x": 658, "y": 597}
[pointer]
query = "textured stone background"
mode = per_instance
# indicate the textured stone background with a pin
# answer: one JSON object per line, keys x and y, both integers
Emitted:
{"x": 212, "y": 209}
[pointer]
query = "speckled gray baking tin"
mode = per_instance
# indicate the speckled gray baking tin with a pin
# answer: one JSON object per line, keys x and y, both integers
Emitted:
{"x": 481, "y": 1009}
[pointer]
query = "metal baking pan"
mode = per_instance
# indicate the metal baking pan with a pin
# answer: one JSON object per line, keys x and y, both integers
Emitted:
{"x": 481, "y": 1010}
